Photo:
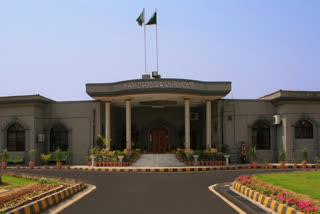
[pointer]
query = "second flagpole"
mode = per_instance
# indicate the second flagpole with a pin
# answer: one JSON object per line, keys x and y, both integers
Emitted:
{"x": 145, "y": 43}
{"x": 157, "y": 39}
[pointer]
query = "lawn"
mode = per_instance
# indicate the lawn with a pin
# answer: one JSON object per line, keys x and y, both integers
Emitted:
{"x": 307, "y": 183}
{"x": 10, "y": 182}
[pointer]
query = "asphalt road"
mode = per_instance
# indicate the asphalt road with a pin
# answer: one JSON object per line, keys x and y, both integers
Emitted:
{"x": 154, "y": 193}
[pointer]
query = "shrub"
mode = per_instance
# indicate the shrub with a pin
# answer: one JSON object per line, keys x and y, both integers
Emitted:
{"x": 253, "y": 154}
{"x": 58, "y": 155}
{"x": 31, "y": 154}
{"x": 304, "y": 154}
{"x": 45, "y": 158}
{"x": 5, "y": 156}
{"x": 282, "y": 155}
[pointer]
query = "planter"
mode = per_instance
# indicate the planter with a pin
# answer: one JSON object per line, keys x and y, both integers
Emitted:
{"x": 295, "y": 165}
{"x": 45, "y": 166}
{"x": 185, "y": 162}
{"x": 214, "y": 163}
{"x": 99, "y": 163}
{"x": 4, "y": 165}
{"x": 317, "y": 165}
{"x": 68, "y": 166}
{"x": 59, "y": 165}
{"x": 202, "y": 163}
{"x": 89, "y": 163}
{"x": 304, "y": 164}
{"x": 254, "y": 164}
{"x": 223, "y": 163}
{"x": 31, "y": 164}
{"x": 249, "y": 166}
{"x": 282, "y": 164}
{"x": 95, "y": 164}
{"x": 18, "y": 166}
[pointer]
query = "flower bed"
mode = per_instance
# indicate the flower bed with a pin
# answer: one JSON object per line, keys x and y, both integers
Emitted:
{"x": 206, "y": 158}
{"x": 110, "y": 158}
{"x": 279, "y": 194}
{"x": 23, "y": 189}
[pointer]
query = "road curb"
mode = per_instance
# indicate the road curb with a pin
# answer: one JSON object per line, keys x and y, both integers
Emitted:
{"x": 264, "y": 200}
{"x": 48, "y": 201}
{"x": 168, "y": 169}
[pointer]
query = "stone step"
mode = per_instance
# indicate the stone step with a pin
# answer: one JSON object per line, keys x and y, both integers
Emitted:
{"x": 158, "y": 160}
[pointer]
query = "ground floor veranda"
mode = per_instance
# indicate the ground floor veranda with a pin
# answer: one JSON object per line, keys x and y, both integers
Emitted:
{"x": 158, "y": 127}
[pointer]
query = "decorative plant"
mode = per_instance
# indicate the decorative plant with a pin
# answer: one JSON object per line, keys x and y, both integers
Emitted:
{"x": 196, "y": 152}
{"x": 282, "y": 155}
{"x": 266, "y": 161}
{"x": 253, "y": 154}
{"x": 295, "y": 161}
{"x": 45, "y": 158}
{"x": 32, "y": 154}
{"x": 17, "y": 159}
{"x": 5, "y": 156}
{"x": 225, "y": 148}
{"x": 304, "y": 154}
{"x": 100, "y": 142}
{"x": 58, "y": 155}
{"x": 93, "y": 151}
{"x": 103, "y": 142}
{"x": 68, "y": 155}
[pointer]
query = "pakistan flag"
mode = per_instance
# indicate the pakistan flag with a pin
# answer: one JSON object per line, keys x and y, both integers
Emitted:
{"x": 153, "y": 19}
{"x": 140, "y": 19}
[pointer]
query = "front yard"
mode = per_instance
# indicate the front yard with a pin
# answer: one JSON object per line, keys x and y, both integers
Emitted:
{"x": 307, "y": 183}
{"x": 17, "y": 190}
{"x": 299, "y": 190}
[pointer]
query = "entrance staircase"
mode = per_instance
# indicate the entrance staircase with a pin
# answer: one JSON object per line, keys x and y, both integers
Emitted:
{"x": 158, "y": 160}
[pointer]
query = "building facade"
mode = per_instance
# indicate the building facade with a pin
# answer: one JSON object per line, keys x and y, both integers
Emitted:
{"x": 161, "y": 115}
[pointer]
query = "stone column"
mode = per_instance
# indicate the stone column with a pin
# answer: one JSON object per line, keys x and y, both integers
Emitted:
{"x": 128, "y": 124}
{"x": 107, "y": 122}
{"x": 187, "y": 123}
{"x": 208, "y": 123}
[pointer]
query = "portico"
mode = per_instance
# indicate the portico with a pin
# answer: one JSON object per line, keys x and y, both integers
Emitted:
{"x": 155, "y": 111}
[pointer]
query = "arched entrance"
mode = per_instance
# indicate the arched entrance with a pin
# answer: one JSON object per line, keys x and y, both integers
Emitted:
{"x": 159, "y": 139}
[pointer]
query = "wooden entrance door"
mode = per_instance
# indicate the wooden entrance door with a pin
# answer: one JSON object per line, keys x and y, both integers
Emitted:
{"x": 159, "y": 137}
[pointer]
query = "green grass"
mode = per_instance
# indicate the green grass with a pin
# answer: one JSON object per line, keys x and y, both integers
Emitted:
{"x": 11, "y": 182}
{"x": 307, "y": 183}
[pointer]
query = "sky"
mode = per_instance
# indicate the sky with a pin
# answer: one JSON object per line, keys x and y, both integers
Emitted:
{"x": 53, "y": 48}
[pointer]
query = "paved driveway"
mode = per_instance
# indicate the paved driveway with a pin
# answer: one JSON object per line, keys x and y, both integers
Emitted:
{"x": 150, "y": 193}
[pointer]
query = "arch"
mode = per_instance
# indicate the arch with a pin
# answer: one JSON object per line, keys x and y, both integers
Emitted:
{"x": 16, "y": 137}
{"x": 303, "y": 129}
{"x": 58, "y": 137}
{"x": 261, "y": 135}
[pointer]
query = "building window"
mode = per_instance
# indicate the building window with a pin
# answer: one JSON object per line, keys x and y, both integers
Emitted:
{"x": 304, "y": 129}
{"x": 261, "y": 135}
{"x": 58, "y": 138}
{"x": 16, "y": 140}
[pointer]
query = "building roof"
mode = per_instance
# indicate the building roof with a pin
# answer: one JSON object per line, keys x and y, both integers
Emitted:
{"x": 145, "y": 86}
{"x": 286, "y": 95}
{"x": 36, "y": 98}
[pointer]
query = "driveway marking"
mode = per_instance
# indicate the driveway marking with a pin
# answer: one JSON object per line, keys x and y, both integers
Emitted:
{"x": 236, "y": 208}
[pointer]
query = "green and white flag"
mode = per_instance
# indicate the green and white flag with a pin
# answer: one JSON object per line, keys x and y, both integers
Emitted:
{"x": 153, "y": 19}
{"x": 140, "y": 19}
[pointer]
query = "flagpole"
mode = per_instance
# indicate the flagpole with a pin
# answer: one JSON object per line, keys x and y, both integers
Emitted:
{"x": 157, "y": 40}
{"x": 145, "y": 43}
